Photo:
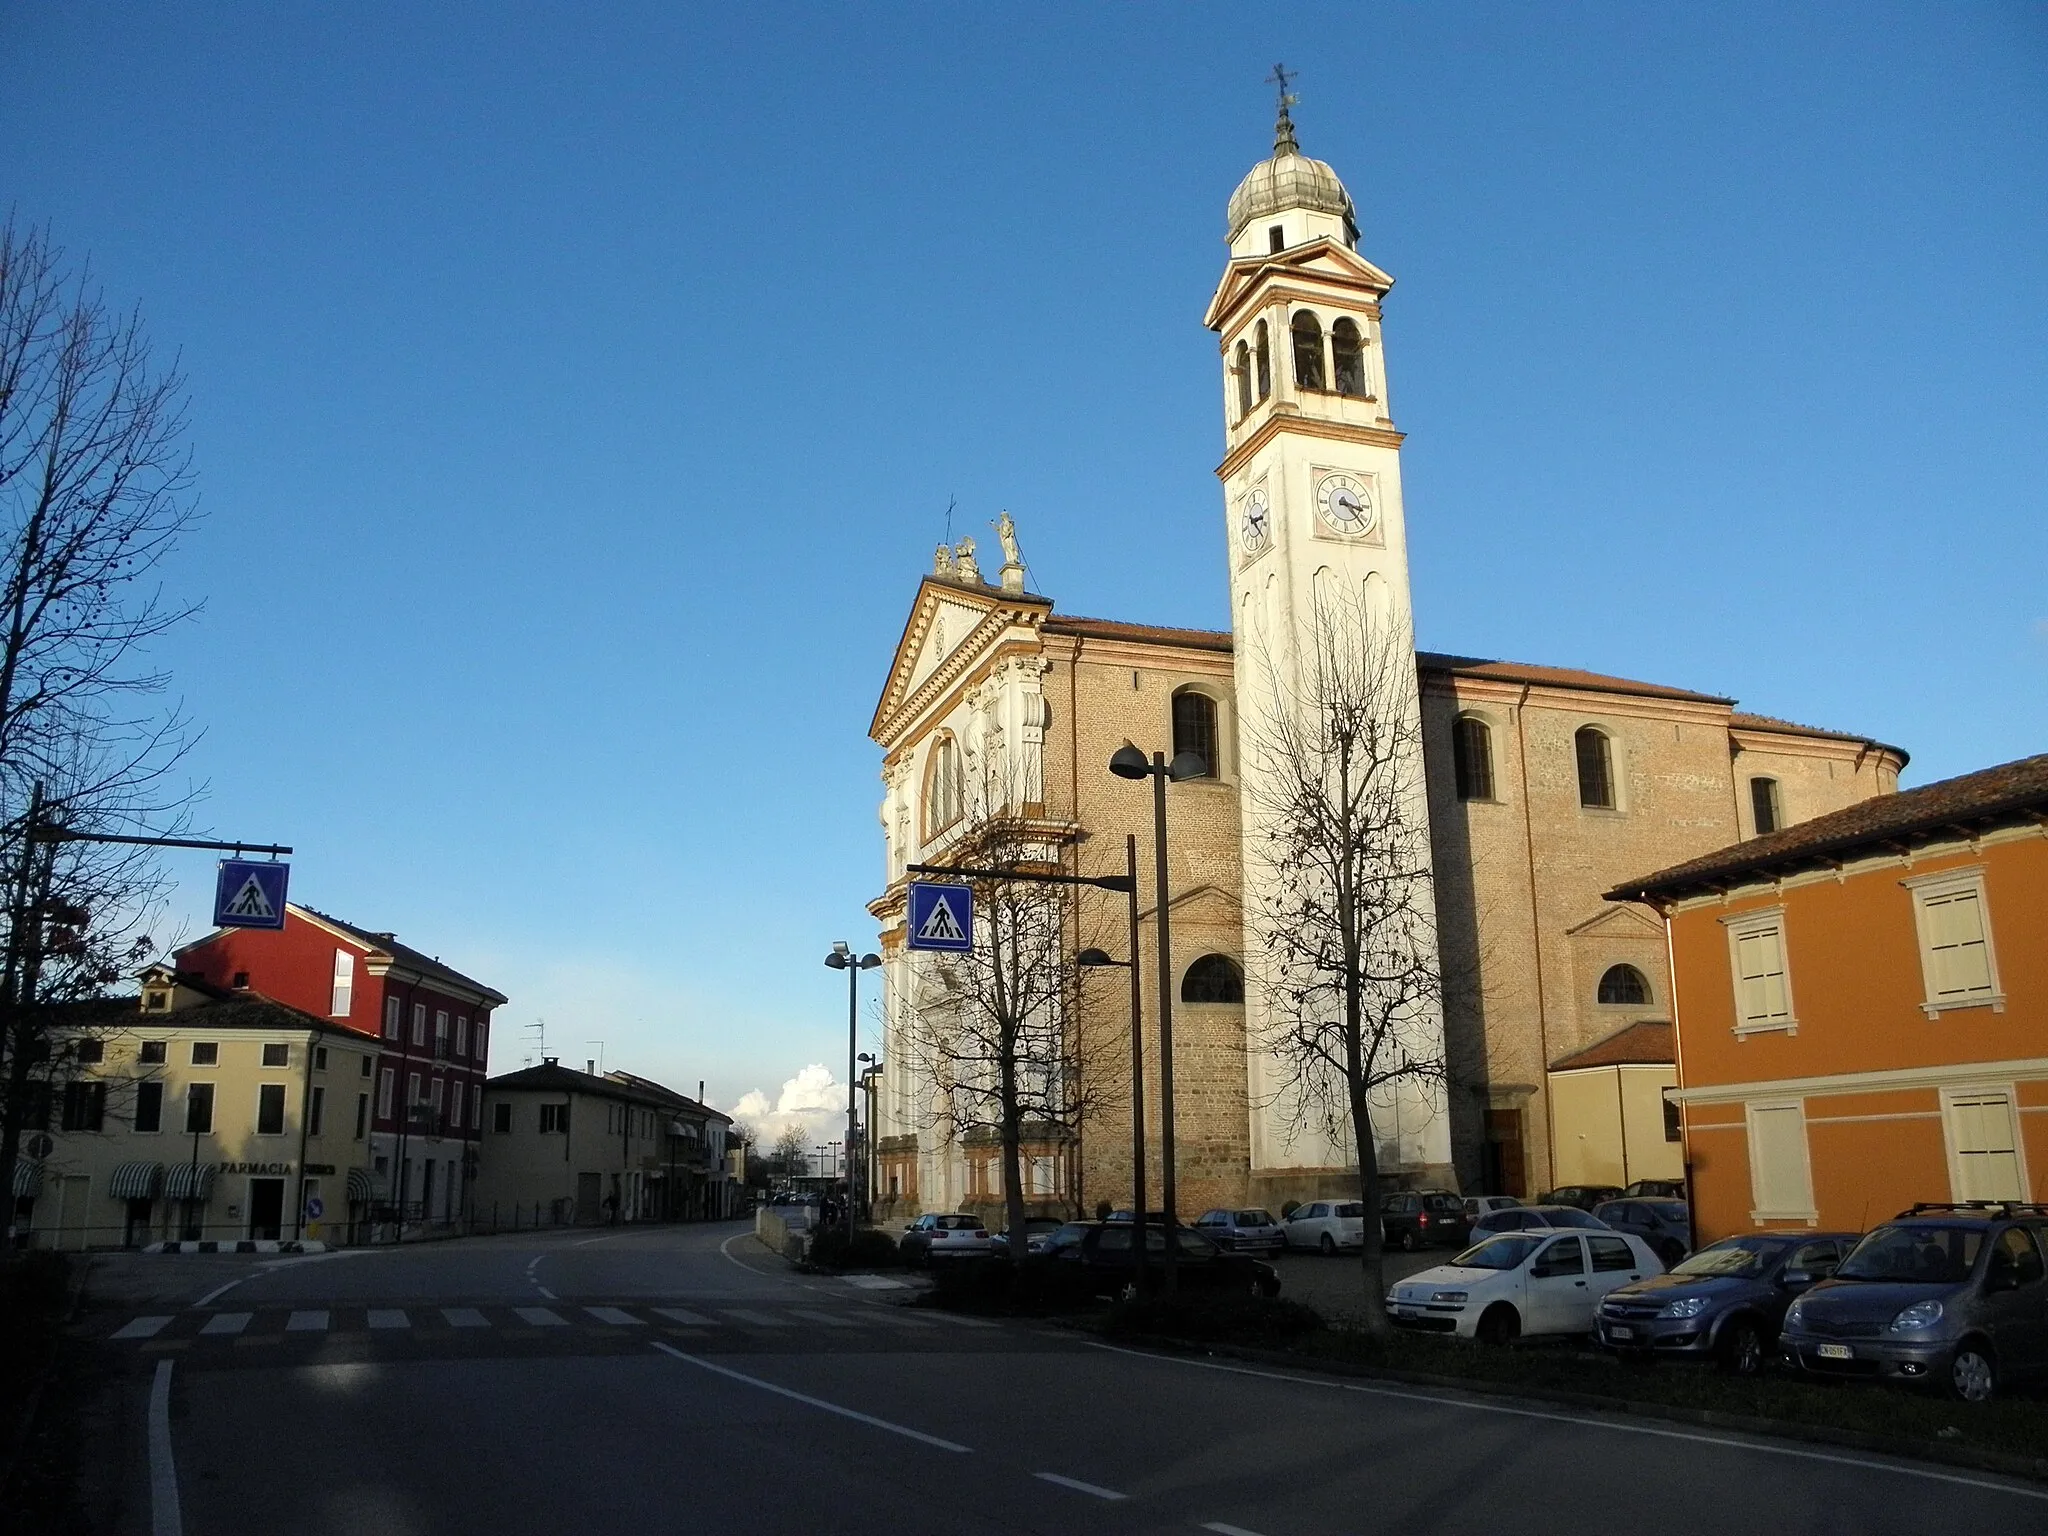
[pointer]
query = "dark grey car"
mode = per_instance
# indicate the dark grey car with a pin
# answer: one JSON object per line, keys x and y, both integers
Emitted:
{"x": 1952, "y": 1296}
{"x": 1726, "y": 1302}
{"x": 1666, "y": 1225}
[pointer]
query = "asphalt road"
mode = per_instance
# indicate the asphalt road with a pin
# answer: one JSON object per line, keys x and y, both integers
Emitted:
{"x": 655, "y": 1379}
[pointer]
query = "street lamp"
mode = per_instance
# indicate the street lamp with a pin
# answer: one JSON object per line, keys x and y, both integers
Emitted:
{"x": 868, "y": 1166}
{"x": 1129, "y": 763}
{"x": 1095, "y": 958}
{"x": 842, "y": 959}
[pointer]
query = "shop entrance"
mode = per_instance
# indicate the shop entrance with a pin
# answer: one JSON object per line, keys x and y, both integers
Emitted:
{"x": 266, "y": 1208}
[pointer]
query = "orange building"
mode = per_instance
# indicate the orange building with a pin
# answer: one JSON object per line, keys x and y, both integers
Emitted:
{"x": 1861, "y": 1007}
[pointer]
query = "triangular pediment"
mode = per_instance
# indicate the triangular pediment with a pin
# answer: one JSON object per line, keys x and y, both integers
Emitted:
{"x": 1617, "y": 922}
{"x": 1324, "y": 261}
{"x": 952, "y": 623}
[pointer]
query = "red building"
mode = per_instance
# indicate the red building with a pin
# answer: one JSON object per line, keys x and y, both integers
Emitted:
{"x": 432, "y": 1022}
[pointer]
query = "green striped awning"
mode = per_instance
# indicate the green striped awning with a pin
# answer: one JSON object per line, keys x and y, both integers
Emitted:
{"x": 188, "y": 1181}
{"x": 364, "y": 1185}
{"x": 136, "y": 1181}
{"x": 28, "y": 1178}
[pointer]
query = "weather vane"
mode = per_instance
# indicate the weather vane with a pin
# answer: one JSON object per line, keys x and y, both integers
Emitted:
{"x": 1283, "y": 125}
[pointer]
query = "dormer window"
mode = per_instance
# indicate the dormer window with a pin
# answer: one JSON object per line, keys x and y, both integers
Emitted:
{"x": 1276, "y": 238}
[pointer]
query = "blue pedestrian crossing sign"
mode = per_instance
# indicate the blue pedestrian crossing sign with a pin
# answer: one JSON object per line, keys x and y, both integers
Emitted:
{"x": 249, "y": 894}
{"x": 941, "y": 917}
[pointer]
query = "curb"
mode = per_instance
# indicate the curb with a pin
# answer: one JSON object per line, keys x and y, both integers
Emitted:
{"x": 2031, "y": 1469}
{"x": 241, "y": 1245}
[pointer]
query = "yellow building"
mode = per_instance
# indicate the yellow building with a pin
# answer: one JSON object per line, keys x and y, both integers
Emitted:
{"x": 196, "y": 1114}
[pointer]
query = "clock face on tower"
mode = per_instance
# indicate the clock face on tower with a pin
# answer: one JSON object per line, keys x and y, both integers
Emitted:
{"x": 1254, "y": 520}
{"x": 1346, "y": 505}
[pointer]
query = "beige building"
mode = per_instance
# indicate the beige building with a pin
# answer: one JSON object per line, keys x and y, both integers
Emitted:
{"x": 563, "y": 1147}
{"x": 196, "y": 1113}
{"x": 1544, "y": 786}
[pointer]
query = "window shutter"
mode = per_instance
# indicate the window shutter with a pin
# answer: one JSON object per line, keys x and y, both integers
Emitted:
{"x": 1955, "y": 943}
{"x": 1777, "y": 1145}
{"x": 344, "y": 983}
{"x": 1761, "y": 958}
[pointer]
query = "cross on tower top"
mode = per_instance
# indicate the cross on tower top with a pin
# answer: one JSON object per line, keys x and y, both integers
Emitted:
{"x": 1283, "y": 125}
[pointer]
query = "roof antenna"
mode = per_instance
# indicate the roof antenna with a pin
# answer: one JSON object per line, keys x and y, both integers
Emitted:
{"x": 1283, "y": 125}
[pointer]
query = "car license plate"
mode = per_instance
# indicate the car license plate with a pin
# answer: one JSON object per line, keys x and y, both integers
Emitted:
{"x": 1834, "y": 1351}
{"x": 1407, "y": 1311}
{"x": 1621, "y": 1330}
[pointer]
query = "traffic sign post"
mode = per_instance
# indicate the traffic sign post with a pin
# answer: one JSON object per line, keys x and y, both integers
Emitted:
{"x": 249, "y": 894}
{"x": 941, "y": 917}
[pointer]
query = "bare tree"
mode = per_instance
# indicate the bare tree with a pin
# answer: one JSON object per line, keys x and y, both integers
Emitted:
{"x": 792, "y": 1154}
{"x": 1344, "y": 915}
{"x": 95, "y": 488}
{"x": 995, "y": 1034}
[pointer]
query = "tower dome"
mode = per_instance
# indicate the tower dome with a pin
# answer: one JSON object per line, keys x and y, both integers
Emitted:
{"x": 1289, "y": 180}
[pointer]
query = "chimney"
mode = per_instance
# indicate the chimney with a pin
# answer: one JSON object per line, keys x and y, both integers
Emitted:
{"x": 551, "y": 1061}
{"x": 241, "y": 981}
{"x": 700, "y": 1090}
{"x": 590, "y": 1066}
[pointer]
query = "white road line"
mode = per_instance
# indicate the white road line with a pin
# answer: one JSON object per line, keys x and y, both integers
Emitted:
{"x": 963, "y": 1322}
{"x": 755, "y": 1319}
{"x": 547, "y": 1293}
{"x": 1227, "y": 1530}
{"x": 618, "y": 1317}
{"x": 684, "y": 1316}
{"x": 1655, "y": 1432}
{"x": 142, "y": 1328}
{"x": 218, "y": 1291}
{"x": 165, "y": 1517}
{"x": 541, "y": 1317}
{"x": 389, "y": 1317}
{"x": 465, "y": 1317}
{"x": 817, "y": 1402}
{"x": 313, "y": 1321}
{"x": 227, "y": 1322}
{"x": 1077, "y": 1485}
{"x": 825, "y": 1319}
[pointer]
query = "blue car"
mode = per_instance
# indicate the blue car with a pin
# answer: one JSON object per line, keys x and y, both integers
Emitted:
{"x": 1241, "y": 1231}
{"x": 1725, "y": 1303}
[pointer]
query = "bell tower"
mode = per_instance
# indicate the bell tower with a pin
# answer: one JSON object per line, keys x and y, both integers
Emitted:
{"x": 1315, "y": 530}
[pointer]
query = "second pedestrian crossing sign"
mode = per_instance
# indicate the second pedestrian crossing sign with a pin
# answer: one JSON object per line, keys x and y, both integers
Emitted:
{"x": 941, "y": 917}
{"x": 249, "y": 894}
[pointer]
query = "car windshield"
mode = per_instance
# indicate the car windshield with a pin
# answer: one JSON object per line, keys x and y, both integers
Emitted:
{"x": 1928, "y": 1255}
{"x": 1254, "y": 1219}
{"x": 1499, "y": 1253}
{"x": 1354, "y": 1208}
{"x": 1572, "y": 1216}
{"x": 1669, "y": 1210}
{"x": 957, "y": 1223}
{"x": 1743, "y": 1256}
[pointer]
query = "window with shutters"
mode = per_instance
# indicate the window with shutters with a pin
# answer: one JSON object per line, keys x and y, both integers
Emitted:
{"x": 1956, "y": 960}
{"x": 316, "y": 1112}
{"x": 362, "y": 1114}
{"x": 344, "y": 984}
{"x": 384, "y": 1085}
{"x": 1780, "y": 1177}
{"x": 85, "y": 1106}
{"x": 501, "y": 1118}
{"x": 1472, "y": 757}
{"x": 270, "y": 1110}
{"x": 1763, "y": 805}
{"x": 1763, "y": 984}
{"x": 1596, "y": 768}
{"x": 1983, "y": 1145}
{"x": 391, "y": 1009}
{"x": 149, "y": 1107}
{"x": 419, "y": 1024}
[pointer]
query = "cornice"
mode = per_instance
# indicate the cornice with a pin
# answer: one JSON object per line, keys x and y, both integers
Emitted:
{"x": 1305, "y": 426}
{"x": 898, "y": 708}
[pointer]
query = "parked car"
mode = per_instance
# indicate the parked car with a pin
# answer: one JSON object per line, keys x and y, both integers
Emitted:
{"x": 1949, "y": 1296}
{"x": 1655, "y": 1189}
{"x": 1666, "y": 1225}
{"x": 934, "y": 1236}
{"x": 1584, "y": 1196}
{"x": 1477, "y": 1206}
{"x": 1101, "y": 1257}
{"x": 1420, "y": 1218}
{"x": 1325, "y": 1225}
{"x": 1241, "y": 1231}
{"x": 1521, "y": 1284}
{"x": 1726, "y": 1302}
{"x": 1038, "y": 1230}
{"x": 1522, "y": 1218}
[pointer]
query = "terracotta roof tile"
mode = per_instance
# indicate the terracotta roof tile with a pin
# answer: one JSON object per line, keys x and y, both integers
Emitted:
{"x": 2006, "y": 792}
{"x": 1157, "y": 634}
{"x": 1555, "y": 677}
{"x": 1647, "y": 1042}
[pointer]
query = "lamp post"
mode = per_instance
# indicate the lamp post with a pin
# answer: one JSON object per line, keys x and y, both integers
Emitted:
{"x": 842, "y": 958}
{"x": 1129, "y": 763}
{"x": 870, "y": 1071}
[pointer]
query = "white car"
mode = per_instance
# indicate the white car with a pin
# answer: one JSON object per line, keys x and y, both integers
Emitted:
{"x": 1325, "y": 1225}
{"x": 1537, "y": 1282}
{"x": 1477, "y": 1206}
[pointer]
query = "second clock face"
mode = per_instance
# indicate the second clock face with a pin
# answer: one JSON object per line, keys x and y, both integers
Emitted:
{"x": 1346, "y": 505}
{"x": 1255, "y": 526}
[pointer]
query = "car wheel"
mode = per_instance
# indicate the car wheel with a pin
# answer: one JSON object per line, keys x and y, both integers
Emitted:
{"x": 1328, "y": 1245}
{"x": 1971, "y": 1375}
{"x": 1128, "y": 1291}
{"x": 1740, "y": 1349}
{"x": 1406, "y": 1242}
{"x": 1500, "y": 1325}
{"x": 1267, "y": 1286}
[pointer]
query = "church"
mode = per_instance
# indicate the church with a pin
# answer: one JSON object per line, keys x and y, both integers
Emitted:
{"x": 1540, "y": 788}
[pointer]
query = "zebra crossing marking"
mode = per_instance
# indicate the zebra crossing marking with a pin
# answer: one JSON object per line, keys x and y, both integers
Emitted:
{"x": 823, "y": 1319}
{"x": 753, "y": 1319}
{"x": 314, "y": 1320}
{"x": 142, "y": 1328}
{"x": 618, "y": 1317}
{"x": 685, "y": 1316}
{"x": 227, "y": 1322}
{"x": 389, "y": 1317}
{"x": 540, "y": 1317}
{"x": 465, "y": 1317}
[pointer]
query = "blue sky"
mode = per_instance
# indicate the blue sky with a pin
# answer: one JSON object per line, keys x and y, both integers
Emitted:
{"x": 578, "y": 392}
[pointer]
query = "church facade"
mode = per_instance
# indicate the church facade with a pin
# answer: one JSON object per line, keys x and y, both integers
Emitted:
{"x": 1539, "y": 787}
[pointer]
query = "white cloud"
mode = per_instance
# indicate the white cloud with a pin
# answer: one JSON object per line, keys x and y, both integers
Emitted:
{"x": 813, "y": 1101}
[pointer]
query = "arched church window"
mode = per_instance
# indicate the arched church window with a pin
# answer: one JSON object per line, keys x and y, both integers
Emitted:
{"x": 1596, "y": 768}
{"x": 1348, "y": 352}
{"x": 1213, "y": 979}
{"x": 1194, "y": 727}
{"x": 942, "y": 787}
{"x": 1241, "y": 365}
{"x": 1472, "y": 757}
{"x": 1308, "y": 351}
{"x": 1624, "y": 985}
{"x": 1262, "y": 359}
